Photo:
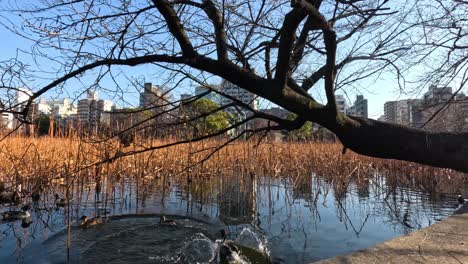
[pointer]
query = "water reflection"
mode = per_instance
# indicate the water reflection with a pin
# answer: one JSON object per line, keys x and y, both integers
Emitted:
{"x": 296, "y": 219}
{"x": 238, "y": 200}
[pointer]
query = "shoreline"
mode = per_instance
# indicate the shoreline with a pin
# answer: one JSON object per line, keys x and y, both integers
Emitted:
{"x": 443, "y": 242}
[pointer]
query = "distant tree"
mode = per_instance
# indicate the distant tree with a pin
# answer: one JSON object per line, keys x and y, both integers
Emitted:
{"x": 303, "y": 133}
{"x": 211, "y": 121}
{"x": 42, "y": 124}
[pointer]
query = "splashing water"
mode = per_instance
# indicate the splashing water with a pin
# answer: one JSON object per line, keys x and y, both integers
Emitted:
{"x": 238, "y": 259}
{"x": 200, "y": 249}
{"x": 249, "y": 238}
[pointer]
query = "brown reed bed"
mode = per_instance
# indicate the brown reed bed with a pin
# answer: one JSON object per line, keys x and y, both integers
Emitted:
{"x": 31, "y": 165}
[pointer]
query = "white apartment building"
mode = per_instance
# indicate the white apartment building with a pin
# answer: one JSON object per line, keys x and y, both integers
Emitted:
{"x": 151, "y": 97}
{"x": 6, "y": 119}
{"x": 359, "y": 108}
{"x": 90, "y": 110}
{"x": 22, "y": 95}
{"x": 57, "y": 107}
{"x": 240, "y": 94}
{"x": 341, "y": 103}
{"x": 400, "y": 112}
{"x": 21, "y": 98}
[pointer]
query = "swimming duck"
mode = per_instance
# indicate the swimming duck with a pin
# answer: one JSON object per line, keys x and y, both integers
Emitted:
{"x": 36, "y": 193}
{"x": 227, "y": 251}
{"x": 85, "y": 222}
{"x": 16, "y": 215}
{"x": 167, "y": 222}
{"x": 9, "y": 197}
{"x": 60, "y": 202}
{"x": 36, "y": 196}
{"x": 224, "y": 234}
{"x": 26, "y": 222}
{"x": 460, "y": 199}
{"x": 226, "y": 248}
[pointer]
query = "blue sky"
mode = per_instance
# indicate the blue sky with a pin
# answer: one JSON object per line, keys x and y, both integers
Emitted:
{"x": 378, "y": 92}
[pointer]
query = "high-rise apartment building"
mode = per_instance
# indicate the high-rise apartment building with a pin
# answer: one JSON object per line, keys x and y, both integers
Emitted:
{"x": 22, "y": 96}
{"x": 157, "y": 102}
{"x": 341, "y": 103}
{"x": 90, "y": 110}
{"x": 238, "y": 112}
{"x": 436, "y": 95}
{"x": 438, "y": 110}
{"x": 399, "y": 112}
{"x": 441, "y": 110}
{"x": 6, "y": 119}
{"x": 152, "y": 97}
{"x": 58, "y": 108}
{"x": 359, "y": 108}
{"x": 240, "y": 94}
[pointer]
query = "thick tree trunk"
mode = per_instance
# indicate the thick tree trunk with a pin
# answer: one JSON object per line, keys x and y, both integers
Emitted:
{"x": 392, "y": 141}
{"x": 381, "y": 139}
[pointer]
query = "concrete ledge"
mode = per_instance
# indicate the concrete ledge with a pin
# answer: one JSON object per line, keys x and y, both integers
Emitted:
{"x": 444, "y": 242}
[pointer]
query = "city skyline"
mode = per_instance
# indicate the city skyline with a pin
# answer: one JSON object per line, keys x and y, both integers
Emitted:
{"x": 342, "y": 100}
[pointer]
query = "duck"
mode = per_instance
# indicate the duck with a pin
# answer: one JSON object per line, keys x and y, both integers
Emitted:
{"x": 26, "y": 222}
{"x": 36, "y": 196}
{"x": 224, "y": 234}
{"x": 227, "y": 252}
{"x": 9, "y": 197}
{"x": 226, "y": 248}
{"x": 6, "y": 196}
{"x": 85, "y": 222}
{"x": 167, "y": 222}
{"x": 17, "y": 215}
{"x": 60, "y": 202}
{"x": 460, "y": 199}
{"x": 36, "y": 193}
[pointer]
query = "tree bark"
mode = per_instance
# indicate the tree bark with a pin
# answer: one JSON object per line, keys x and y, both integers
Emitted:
{"x": 391, "y": 141}
{"x": 380, "y": 139}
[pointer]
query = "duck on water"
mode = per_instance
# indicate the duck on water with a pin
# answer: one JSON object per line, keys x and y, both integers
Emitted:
{"x": 163, "y": 220}
{"x": 86, "y": 222}
{"x": 12, "y": 196}
{"x": 17, "y": 215}
{"x": 60, "y": 202}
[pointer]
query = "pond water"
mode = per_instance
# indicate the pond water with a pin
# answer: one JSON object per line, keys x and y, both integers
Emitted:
{"x": 293, "y": 220}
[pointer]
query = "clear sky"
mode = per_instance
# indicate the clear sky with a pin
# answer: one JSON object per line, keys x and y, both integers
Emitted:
{"x": 377, "y": 93}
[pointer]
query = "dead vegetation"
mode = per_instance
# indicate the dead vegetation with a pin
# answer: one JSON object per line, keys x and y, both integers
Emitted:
{"x": 31, "y": 165}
